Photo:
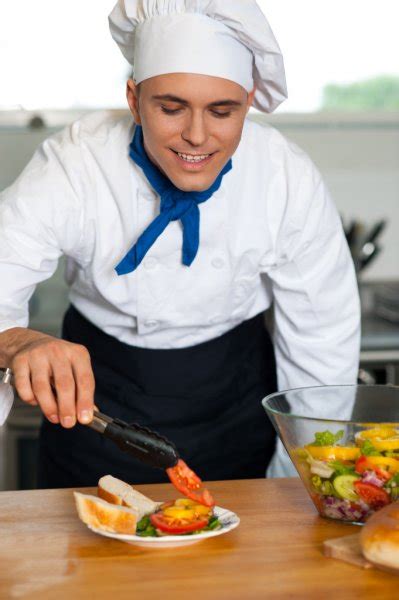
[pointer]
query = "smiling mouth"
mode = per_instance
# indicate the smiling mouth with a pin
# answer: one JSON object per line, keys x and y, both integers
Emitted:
{"x": 193, "y": 158}
{"x": 206, "y": 154}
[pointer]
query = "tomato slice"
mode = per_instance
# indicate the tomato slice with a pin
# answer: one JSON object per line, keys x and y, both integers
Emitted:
{"x": 159, "y": 521}
{"x": 384, "y": 467}
{"x": 189, "y": 484}
{"x": 374, "y": 496}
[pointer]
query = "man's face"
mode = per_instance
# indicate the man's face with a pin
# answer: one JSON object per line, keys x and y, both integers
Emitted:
{"x": 197, "y": 116}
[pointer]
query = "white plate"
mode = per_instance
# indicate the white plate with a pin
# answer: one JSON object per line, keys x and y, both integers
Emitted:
{"x": 228, "y": 519}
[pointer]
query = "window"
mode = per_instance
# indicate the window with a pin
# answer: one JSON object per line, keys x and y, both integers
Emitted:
{"x": 339, "y": 42}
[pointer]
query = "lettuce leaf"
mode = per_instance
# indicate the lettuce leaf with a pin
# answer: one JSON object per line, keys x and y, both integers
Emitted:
{"x": 394, "y": 481}
{"x": 326, "y": 438}
{"x": 368, "y": 449}
{"x": 340, "y": 468}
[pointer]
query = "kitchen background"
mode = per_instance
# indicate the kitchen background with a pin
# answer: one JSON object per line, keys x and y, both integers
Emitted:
{"x": 342, "y": 68}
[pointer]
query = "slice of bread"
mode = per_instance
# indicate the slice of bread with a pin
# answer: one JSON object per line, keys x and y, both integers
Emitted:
{"x": 118, "y": 492}
{"x": 103, "y": 515}
{"x": 379, "y": 537}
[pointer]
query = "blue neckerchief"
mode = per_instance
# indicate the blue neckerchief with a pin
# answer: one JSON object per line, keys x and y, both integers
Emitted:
{"x": 175, "y": 205}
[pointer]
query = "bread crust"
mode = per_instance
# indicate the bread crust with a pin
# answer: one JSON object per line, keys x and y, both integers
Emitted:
{"x": 108, "y": 497}
{"x": 100, "y": 514}
{"x": 121, "y": 493}
{"x": 379, "y": 537}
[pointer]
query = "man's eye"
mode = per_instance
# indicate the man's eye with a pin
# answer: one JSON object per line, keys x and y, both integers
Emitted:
{"x": 170, "y": 111}
{"x": 221, "y": 114}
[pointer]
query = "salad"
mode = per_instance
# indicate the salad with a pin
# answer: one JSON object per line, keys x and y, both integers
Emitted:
{"x": 350, "y": 482}
{"x": 181, "y": 517}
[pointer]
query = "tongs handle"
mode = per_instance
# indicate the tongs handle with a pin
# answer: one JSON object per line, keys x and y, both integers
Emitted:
{"x": 147, "y": 446}
{"x": 7, "y": 376}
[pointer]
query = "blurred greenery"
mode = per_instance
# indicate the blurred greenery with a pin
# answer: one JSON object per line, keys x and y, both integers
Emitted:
{"x": 378, "y": 93}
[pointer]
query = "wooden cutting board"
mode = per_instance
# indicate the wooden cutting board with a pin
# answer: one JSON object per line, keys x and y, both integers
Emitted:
{"x": 348, "y": 549}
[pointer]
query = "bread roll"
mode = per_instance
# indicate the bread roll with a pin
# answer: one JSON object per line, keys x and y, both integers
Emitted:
{"x": 102, "y": 515}
{"x": 118, "y": 492}
{"x": 379, "y": 538}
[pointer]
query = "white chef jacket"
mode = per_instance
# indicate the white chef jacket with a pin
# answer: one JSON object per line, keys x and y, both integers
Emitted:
{"x": 271, "y": 233}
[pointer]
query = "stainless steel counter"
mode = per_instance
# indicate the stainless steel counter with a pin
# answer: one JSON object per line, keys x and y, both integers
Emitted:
{"x": 378, "y": 334}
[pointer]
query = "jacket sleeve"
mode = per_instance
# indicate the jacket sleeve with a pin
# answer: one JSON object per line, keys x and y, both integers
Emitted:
{"x": 41, "y": 218}
{"x": 315, "y": 297}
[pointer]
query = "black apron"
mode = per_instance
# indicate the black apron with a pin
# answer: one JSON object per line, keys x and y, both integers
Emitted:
{"x": 205, "y": 398}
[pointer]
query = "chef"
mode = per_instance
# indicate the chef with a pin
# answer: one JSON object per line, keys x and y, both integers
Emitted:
{"x": 181, "y": 223}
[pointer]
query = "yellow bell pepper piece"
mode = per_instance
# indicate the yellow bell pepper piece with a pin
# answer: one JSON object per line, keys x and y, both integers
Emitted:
{"x": 183, "y": 508}
{"x": 382, "y": 433}
{"x": 384, "y": 445}
{"x": 185, "y": 502}
{"x": 333, "y": 452}
{"x": 201, "y": 510}
{"x": 175, "y": 512}
{"x": 391, "y": 464}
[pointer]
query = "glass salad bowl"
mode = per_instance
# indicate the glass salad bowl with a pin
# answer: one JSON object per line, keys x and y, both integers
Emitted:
{"x": 344, "y": 443}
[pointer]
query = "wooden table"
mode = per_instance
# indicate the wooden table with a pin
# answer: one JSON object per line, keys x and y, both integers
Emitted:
{"x": 46, "y": 552}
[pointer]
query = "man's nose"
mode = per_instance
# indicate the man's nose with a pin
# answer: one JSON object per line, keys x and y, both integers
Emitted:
{"x": 195, "y": 130}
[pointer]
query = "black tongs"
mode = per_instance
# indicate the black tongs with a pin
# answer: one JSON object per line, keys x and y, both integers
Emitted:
{"x": 147, "y": 446}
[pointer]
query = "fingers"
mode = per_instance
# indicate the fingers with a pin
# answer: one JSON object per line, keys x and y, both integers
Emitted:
{"x": 85, "y": 386}
{"x": 58, "y": 376}
{"x": 21, "y": 371}
{"x": 33, "y": 403}
{"x": 32, "y": 382}
{"x": 65, "y": 390}
{"x": 22, "y": 379}
{"x": 40, "y": 372}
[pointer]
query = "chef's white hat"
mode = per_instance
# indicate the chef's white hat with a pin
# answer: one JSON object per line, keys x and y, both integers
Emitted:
{"x": 231, "y": 39}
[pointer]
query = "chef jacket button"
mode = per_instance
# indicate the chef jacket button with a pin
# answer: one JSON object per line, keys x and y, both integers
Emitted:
{"x": 151, "y": 324}
{"x": 150, "y": 263}
{"x": 218, "y": 263}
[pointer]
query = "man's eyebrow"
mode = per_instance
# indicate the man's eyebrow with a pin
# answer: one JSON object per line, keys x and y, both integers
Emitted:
{"x": 171, "y": 98}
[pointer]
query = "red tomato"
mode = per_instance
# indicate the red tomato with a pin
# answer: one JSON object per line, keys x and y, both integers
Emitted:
{"x": 159, "y": 521}
{"x": 374, "y": 496}
{"x": 383, "y": 474}
{"x": 362, "y": 464}
{"x": 189, "y": 484}
{"x": 365, "y": 463}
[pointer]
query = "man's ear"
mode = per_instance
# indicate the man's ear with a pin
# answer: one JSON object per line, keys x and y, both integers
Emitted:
{"x": 132, "y": 100}
{"x": 250, "y": 99}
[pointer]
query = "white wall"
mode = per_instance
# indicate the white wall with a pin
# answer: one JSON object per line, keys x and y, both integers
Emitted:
{"x": 358, "y": 156}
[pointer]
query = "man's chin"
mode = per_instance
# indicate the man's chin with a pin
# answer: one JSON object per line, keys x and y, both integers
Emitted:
{"x": 193, "y": 188}
{"x": 193, "y": 182}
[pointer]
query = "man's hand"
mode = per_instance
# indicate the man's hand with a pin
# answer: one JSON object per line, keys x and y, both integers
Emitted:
{"x": 53, "y": 373}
